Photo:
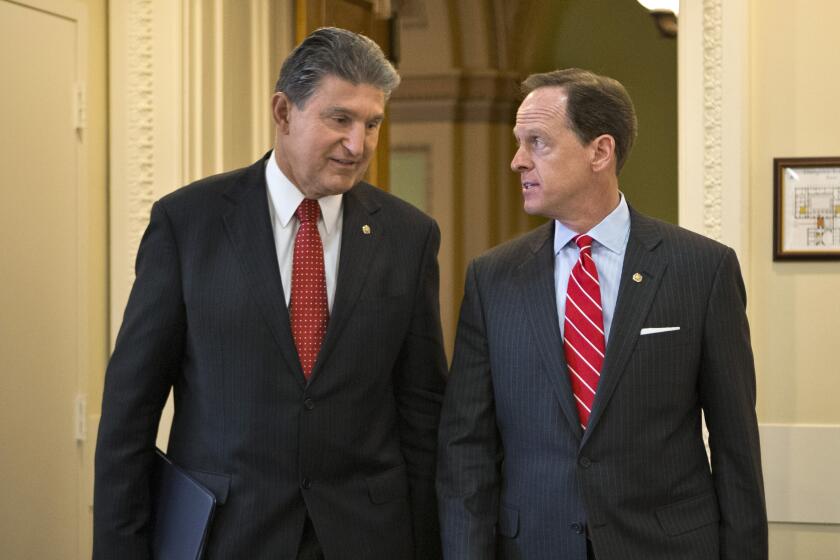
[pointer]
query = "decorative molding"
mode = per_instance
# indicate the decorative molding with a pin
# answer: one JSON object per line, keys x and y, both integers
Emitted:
{"x": 139, "y": 149}
{"x": 712, "y": 118}
{"x": 456, "y": 97}
{"x": 714, "y": 133}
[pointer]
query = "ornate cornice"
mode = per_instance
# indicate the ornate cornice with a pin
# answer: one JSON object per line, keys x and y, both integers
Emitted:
{"x": 140, "y": 91}
{"x": 712, "y": 118}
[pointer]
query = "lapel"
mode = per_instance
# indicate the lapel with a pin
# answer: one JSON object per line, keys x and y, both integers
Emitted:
{"x": 536, "y": 276}
{"x": 632, "y": 306}
{"x": 248, "y": 224}
{"x": 357, "y": 251}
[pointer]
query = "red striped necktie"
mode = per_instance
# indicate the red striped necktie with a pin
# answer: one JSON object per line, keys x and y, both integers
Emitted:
{"x": 308, "y": 300}
{"x": 583, "y": 330}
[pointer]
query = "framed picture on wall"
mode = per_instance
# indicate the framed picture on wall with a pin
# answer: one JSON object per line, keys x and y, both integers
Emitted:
{"x": 806, "y": 206}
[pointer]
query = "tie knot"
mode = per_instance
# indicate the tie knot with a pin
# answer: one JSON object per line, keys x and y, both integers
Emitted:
{"x": 308, "y": 211}
{"x": 584, "y": 243}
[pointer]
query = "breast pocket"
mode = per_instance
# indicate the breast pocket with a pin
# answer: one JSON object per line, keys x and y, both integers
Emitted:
{"x": 665, "y": 339}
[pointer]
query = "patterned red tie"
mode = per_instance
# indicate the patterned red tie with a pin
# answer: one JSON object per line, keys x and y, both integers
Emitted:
{"x": 583, "y": 330}
{"x": 308, "y": 302}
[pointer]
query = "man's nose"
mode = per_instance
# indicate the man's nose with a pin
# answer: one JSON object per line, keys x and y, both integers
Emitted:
{"x": 520, "y": 162}
{"x": 354, "y": 141}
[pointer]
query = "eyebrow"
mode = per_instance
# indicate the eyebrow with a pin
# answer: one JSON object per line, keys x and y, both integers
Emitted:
{"x": 339, "y": 110}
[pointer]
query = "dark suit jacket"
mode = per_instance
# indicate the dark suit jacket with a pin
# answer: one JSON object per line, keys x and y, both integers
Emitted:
{"x": 517, "y": 477}
{"x": 355, "y": 447}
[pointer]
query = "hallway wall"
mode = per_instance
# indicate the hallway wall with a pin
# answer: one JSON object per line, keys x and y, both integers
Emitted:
{"x": 794, "y": 306}
{"x": 620, "y": 40}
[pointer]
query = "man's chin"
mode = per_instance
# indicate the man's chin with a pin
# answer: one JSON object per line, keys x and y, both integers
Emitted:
{"x": 532, "y": 209}
{"x": 339, "y": 186}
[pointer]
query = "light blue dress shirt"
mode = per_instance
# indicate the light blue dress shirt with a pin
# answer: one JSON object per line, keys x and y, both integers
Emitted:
{"x": 609, "y": 244}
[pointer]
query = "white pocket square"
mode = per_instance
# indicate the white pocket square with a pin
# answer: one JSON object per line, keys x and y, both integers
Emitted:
{"x": 657, "y": 330}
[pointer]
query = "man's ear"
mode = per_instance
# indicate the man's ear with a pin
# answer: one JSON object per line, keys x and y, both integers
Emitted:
{"x": 281, "y": 109}
{"x": 603, "y": 152}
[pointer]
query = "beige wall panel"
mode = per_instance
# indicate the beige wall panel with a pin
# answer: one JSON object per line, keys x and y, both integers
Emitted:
{"x": 801, "y": 473}
{"x": 794, "y": 309}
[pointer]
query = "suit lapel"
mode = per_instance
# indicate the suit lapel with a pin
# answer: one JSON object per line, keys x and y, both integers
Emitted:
{"x": 536, "y": 275}
{"x": 357, "y": 251}
{"x": 632, "y": 306}
{"x": 248, "y": 224}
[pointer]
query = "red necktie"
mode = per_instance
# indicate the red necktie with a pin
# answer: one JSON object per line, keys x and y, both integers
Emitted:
{"x": 308, "y": 302}
{"x": 583, "y": 330}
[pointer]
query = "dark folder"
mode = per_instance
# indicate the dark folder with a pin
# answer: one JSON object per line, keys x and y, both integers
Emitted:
{"x": 182, "y": 512}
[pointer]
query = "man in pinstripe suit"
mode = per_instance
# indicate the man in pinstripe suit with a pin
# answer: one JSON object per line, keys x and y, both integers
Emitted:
{"x": 570, "y": 436}
{"x": 311, "y": 455}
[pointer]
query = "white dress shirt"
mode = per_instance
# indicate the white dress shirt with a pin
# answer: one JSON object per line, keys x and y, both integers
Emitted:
{"x": 609, "y": 244}
{"x": 283, "y": 200}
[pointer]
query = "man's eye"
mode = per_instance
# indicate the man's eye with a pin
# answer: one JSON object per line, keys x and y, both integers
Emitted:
{"x": 341, "y": 120}
{"x": 373, "y": 125}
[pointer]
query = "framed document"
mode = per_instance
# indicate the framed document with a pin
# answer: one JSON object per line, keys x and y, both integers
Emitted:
{"x": 806, "y": 206}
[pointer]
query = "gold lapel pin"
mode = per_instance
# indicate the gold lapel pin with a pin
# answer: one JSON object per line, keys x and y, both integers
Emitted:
{"x": 637, "y": 278}
{"x": 366, "y": 229}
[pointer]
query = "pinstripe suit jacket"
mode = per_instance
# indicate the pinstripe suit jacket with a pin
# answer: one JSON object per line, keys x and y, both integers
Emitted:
{"x": 518, "y": 478}
{"x": 355, "y": 447}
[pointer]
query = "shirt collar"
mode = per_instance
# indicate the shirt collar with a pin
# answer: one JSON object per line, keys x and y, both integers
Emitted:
{"x": 612, "y": 232}
{"x": 285, "y": 198}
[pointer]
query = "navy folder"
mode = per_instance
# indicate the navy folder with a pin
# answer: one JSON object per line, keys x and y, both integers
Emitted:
{"x": 182, "y": 512}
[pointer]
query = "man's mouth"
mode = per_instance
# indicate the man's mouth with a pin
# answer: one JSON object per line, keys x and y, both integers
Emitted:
{"x": 528, "y": 184}
{"x": 344, "y": 162}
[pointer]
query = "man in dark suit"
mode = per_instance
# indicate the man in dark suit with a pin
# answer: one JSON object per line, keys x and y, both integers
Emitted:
{"x": 294, "y": 310}
{"x": 585, "y": 353}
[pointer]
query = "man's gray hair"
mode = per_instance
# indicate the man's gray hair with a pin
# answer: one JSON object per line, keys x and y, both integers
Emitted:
{"x": 330, "y": 51}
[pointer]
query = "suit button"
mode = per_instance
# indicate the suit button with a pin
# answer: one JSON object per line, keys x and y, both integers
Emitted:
{"x": 306, "y": 484}
{"x": 584, "y": 462}
{"x": 309, "y": 404}
{"x": 577, "y": 528}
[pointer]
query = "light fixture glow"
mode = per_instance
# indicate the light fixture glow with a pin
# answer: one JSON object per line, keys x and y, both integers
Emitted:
{"x": 672, "y": 6}
{"x": 664, "y": 14}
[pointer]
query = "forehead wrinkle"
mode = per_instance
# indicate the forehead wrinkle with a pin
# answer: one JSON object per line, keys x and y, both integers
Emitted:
{"x": 542, "y": 120}
{"x": 539, "y": 114}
